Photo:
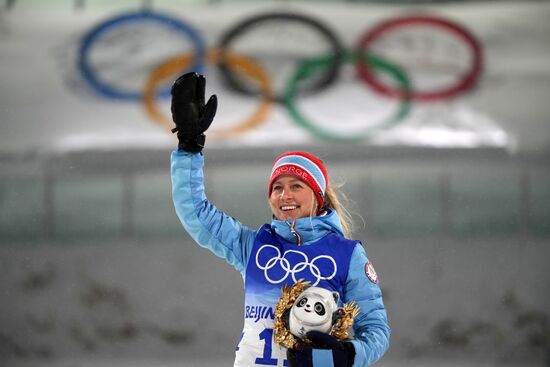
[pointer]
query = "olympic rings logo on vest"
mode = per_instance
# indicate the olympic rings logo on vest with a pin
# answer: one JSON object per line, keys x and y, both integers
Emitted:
{"x": 278, "y": 267}
{"x": 374, "y": 60}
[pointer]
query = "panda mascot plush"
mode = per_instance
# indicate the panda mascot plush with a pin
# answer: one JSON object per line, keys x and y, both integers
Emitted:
{"x": 315, "y": 309}
{"x": 303, "y": 308}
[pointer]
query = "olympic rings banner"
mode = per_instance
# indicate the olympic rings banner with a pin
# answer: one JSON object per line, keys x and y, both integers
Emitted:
{"x": 284, "y": 75}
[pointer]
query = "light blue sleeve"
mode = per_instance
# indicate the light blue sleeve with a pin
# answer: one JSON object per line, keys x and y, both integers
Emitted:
{"x": 208, "y": 226}
{"x": 372, "y": 332}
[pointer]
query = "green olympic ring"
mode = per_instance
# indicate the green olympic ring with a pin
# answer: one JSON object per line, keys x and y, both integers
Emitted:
{"x": 312, "y": 66}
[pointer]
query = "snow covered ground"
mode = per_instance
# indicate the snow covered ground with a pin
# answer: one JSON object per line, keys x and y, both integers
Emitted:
{"x": 447, "y": 299}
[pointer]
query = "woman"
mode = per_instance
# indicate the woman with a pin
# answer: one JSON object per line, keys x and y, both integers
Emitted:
{"x": 305, "y": 240}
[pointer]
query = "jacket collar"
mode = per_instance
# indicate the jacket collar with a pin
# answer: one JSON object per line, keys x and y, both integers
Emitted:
{"x": 303, "y": 231}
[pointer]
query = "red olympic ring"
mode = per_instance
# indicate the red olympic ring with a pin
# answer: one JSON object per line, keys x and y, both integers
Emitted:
{"x": 467, "y": 81}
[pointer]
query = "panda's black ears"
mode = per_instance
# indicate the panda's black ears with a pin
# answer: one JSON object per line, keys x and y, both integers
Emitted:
{"x": 336, "y": 297}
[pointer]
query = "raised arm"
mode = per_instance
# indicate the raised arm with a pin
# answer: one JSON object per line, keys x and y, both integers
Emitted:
{"x": 208, "y": 226}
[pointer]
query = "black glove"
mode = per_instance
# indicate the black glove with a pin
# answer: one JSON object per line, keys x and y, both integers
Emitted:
{"x": 323, "y": 346}
{"x": 191, "y": 116}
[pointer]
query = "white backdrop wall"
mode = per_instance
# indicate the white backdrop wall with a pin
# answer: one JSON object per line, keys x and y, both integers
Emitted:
{"x": 46, "y": 105}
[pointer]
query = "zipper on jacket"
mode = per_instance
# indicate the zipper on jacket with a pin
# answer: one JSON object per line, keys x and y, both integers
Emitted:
{"x": 293, "y": 230}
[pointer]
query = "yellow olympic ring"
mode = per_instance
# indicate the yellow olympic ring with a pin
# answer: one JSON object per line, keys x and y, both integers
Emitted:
{"x": 239, "y": 63}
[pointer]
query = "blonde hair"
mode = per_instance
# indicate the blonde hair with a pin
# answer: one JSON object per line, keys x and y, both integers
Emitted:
{"x": 338, "y": 201}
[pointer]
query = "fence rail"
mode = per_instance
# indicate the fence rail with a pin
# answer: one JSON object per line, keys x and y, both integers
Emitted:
{"x": 395, "y": 192}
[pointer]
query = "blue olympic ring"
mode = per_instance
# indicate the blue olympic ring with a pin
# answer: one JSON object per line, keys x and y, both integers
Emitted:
{"x": 113, "y": 92}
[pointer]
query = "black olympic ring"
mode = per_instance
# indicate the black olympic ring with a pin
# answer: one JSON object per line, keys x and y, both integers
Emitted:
{"x": 247, "y": 25}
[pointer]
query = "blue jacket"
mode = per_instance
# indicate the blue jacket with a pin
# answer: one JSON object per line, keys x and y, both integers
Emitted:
{"x": 229, "y": 239}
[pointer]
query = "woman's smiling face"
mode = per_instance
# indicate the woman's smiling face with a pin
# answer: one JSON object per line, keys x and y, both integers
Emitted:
{"x": 291, "y": 198}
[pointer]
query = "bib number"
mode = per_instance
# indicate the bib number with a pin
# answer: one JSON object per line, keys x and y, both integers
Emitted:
{"x": 267, "y": 357}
